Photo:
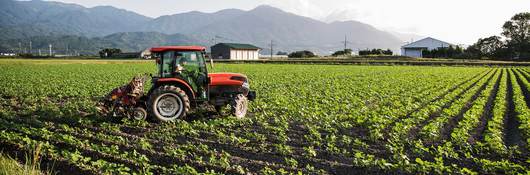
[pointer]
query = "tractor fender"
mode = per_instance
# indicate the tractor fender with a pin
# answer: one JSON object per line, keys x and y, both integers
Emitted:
{"x": 176, "y": 82}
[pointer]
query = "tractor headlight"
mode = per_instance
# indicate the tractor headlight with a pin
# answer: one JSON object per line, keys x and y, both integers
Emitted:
{"x": 246, "y": 85}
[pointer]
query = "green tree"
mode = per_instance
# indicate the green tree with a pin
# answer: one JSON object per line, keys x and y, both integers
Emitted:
{"x": 444, "y": 52}
{"x": 487, "y": 47}
{"x": 375, "y": 52}
{"x": 517, "y": 33}
{"x": 281, "y": 53}
{"x": 301, "y": 54}
{"x": 109, "y": 52}
{"x": 346, "y": 52}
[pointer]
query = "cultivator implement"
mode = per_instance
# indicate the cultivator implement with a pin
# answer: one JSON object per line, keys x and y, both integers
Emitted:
{"x": 126, "y": 101}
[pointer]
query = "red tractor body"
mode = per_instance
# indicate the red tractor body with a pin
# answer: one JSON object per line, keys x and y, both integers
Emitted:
{"x": 183, "y": 82}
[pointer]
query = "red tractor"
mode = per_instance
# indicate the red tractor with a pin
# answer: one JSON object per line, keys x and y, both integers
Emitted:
{"x": 181, "y": 83}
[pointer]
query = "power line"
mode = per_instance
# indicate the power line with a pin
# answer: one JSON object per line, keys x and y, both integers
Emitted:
{"x": 214, "y": 39}
{"x": 223, "y": 38}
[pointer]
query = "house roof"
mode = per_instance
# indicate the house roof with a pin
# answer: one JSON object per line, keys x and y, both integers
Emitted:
{"x": 427, "y": 42}
{"x": 240, "y": 46}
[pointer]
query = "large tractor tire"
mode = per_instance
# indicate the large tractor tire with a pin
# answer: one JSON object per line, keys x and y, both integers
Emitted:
{"x": 239, "y": 106}
{"x": 168, "y": 103}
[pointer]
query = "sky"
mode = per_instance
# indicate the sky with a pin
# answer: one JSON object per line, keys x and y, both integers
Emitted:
{"x": 454, "y": 21}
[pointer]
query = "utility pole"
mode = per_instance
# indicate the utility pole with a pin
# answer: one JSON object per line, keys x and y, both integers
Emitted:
{"x": 30, "y": 47}
{"x": 272, "y": 48}
{"x": 345, "y": 43}
{"x": 19, "y": 48}
{"x": 50, "y": 47}
{"x": 39, "y": 53}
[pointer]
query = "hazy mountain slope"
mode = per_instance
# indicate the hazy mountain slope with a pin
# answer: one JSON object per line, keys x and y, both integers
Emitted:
{"x": 293, "y": 32}
{"x": 127, "y": 41}
{"x": 290, "y": 32}
{"x": 188, "y": 22}
{"x": 62, "y": 18}
{"x": 135, "y": 41}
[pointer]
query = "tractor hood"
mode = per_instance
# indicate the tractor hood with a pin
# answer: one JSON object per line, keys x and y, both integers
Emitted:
{"x": 228, "y": 79}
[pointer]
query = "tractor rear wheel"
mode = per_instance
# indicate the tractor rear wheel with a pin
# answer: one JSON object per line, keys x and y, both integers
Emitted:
{"x": 239, "y": 106}
{"x": 168, "y": 103}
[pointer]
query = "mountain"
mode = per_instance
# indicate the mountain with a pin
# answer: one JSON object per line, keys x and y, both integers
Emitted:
{"x": 46, "y": 17}
{"x": 135, "y": 41}
{"x": 126, "y": 41}
{"x": 289, "y": 32}
{"x": 188, "y": 22}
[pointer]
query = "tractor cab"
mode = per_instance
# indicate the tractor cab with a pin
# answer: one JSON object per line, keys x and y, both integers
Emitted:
{"x": 184, "y": 63}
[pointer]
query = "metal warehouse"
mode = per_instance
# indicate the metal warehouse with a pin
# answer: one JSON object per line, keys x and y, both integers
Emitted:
{"x": 415, "y": 49}
{"x": 235, "y": 51}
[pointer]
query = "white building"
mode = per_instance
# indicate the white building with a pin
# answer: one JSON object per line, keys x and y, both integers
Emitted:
{"x": 235, "y": 51}
{"x": 415, "y": 49}
{"x": 8, "y": 54}
{"x": 146, "y": 54}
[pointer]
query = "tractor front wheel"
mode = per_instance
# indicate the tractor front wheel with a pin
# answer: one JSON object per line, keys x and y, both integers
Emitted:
{"x": 239, "y": 106}
{"x": 168, "y": 103}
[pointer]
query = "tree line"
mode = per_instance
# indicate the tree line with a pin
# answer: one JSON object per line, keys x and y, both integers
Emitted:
{"x": 513, "y": 44}
{"x": 345, "y": 52}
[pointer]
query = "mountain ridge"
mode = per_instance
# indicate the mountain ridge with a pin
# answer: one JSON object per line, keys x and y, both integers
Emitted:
{"x": 257, "y": 26}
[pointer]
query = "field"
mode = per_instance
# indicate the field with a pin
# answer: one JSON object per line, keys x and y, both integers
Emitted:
{"x": 307, "y": 119}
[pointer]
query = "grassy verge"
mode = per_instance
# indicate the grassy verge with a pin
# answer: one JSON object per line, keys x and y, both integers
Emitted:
{"x": 31, "y": 166}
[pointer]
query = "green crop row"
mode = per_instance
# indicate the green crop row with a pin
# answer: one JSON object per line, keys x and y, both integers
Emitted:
{"x": 494, "y": 136}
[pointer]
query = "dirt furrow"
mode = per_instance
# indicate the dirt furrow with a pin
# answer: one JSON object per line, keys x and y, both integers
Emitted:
{"x": 513, "y": 135}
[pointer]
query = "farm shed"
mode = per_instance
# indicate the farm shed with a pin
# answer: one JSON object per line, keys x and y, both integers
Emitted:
{"x": 235, "y": 51}
{"x": 415, "y": 49}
